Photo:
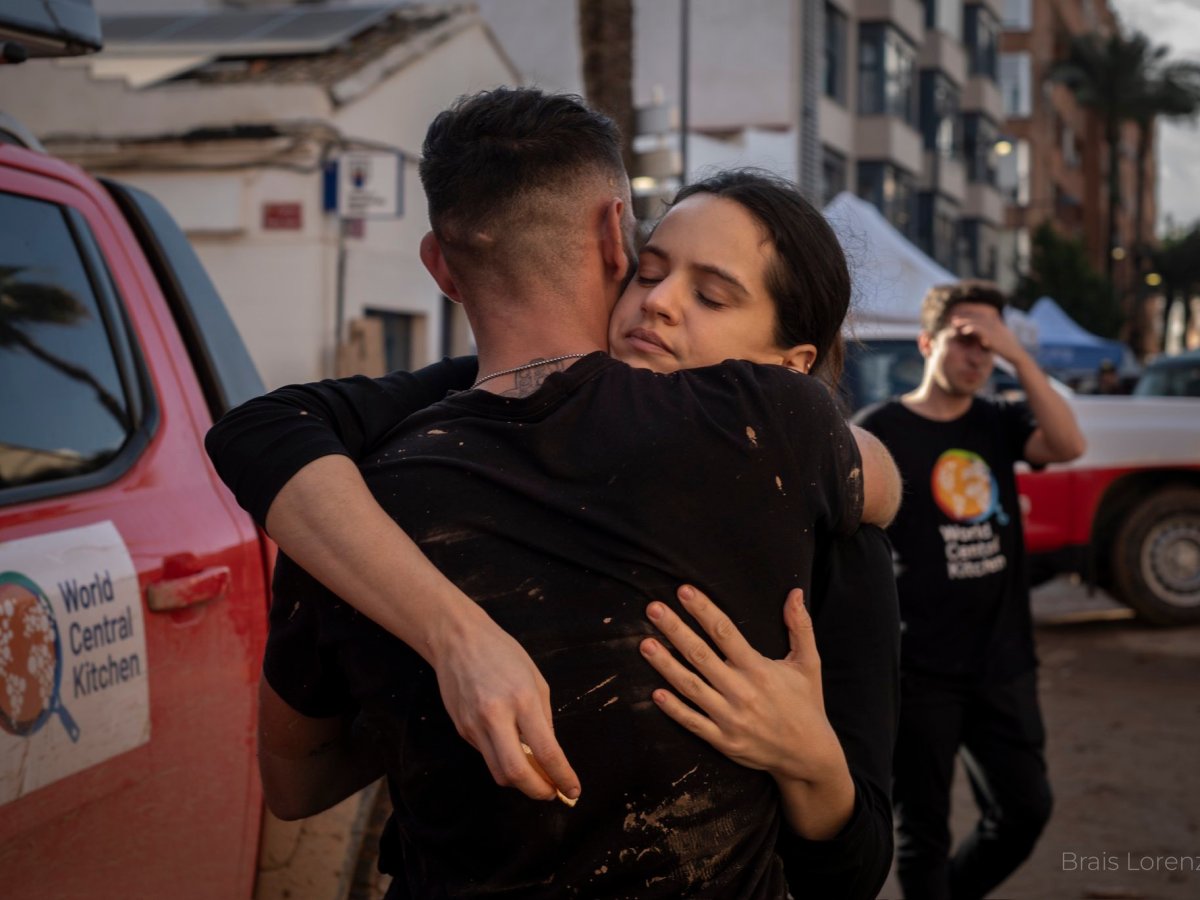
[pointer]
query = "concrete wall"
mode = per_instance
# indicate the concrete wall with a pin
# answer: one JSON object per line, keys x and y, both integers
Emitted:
{"x": 280, "y": 285}
{"x": 744, "y": 72}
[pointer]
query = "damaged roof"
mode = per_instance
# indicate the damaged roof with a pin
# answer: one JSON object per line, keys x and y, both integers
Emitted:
{"x": 296, "y": 45}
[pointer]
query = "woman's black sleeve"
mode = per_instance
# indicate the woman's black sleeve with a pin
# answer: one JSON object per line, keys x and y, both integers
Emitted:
{"x": 257, "y": 447}
{"x": 856, "y": 622}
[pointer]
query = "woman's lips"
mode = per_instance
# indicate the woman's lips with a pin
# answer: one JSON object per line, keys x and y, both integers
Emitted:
{"x": 648, "y": 341}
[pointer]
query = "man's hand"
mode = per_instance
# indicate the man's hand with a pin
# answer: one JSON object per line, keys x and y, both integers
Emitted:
{"x": 326, "y": 519}
{"x": 498, "y": 699}
{"x": 986, "y": 325}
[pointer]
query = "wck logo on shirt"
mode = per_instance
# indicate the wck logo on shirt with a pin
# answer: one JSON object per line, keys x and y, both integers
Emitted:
{"x": 965, "y": 489}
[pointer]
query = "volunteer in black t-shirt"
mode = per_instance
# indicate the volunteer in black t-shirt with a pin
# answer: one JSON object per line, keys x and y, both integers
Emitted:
{"x": 967, "y": 654}
{"x": 672, "y": 456}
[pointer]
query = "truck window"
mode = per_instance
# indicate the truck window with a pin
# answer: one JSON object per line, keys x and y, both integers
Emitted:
{"x": 65, "y": 406}
{"x": 222, "y": 364}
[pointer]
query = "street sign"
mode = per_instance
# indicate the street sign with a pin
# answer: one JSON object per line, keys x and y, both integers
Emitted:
{"x": 370, "y": 185}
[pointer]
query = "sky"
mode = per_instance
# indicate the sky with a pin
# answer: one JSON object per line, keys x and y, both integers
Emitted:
{"x": 1175, "y": 23}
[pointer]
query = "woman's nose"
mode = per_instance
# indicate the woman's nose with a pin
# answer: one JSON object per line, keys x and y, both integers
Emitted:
{"x": 663, "y": 302}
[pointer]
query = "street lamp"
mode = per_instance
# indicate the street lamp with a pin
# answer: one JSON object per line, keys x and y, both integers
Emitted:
{"x": 1003, "y": 147}
{"x": 1153, "y": 279}
{"x": 1118, "y": 253}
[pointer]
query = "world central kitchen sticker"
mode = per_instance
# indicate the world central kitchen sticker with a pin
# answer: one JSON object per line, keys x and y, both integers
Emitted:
{"x": 73, "y": 679}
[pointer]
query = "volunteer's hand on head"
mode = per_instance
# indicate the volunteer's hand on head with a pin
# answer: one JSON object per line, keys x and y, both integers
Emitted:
{"x": 986, "y": 325}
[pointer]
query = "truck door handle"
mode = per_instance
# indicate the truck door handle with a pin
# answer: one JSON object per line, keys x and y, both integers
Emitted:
{"x": 190, "y": 590}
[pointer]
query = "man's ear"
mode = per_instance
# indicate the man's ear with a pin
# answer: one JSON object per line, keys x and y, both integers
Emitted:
{"x": 925, "y": 343}
{"x": 612, "y": 240}
{"x": 802, "y": 358}
{"x": 435, "y": 262}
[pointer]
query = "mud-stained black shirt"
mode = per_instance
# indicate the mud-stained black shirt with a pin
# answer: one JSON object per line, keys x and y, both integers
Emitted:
{"x": 563, "y": 514}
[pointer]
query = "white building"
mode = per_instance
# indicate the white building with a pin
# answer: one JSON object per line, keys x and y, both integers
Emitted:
{"x": 231, "y": 120}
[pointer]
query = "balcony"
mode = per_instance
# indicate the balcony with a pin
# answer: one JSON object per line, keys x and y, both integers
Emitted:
{"x": 984, "y": 202}
{"x": 907, "y": 15}
{"x": 983, "y": 95}
{"x": 939, "y": 51}
{"x": 944, "y": 176}
{"x": 888, "y": 138}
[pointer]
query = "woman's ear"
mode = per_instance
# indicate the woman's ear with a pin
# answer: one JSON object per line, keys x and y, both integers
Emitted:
{"x": 435, "y": 262}
{"x": 802, "y": 357}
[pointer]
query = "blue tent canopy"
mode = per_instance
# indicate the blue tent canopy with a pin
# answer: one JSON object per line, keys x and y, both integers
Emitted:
{"x": 1067, "y": 347}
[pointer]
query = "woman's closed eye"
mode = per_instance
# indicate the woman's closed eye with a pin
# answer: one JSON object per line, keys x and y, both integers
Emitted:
{"x": 710, "y": 302}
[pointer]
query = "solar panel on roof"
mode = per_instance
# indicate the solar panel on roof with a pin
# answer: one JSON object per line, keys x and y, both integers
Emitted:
{"x": 138, "y": 28}
{"x": 225, "y": 27}
{"x": 294, "y": 31}
{"x": 335, "y": 25}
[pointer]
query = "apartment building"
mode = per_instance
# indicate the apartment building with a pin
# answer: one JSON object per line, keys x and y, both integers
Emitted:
{"x": 1058, "y": 170}
{"x": 910, "y": 118}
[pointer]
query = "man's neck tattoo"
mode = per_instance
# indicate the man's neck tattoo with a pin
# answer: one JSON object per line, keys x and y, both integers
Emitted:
{"x": 529, "y": 380}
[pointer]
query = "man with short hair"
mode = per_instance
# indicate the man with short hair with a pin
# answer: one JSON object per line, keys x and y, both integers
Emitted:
{"x": 563, "y": 498}
{"x": 968, "y": 678}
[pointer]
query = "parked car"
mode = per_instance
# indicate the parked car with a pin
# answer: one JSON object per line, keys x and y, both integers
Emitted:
{"x": 1171, "y": 376}
{"x": 1125, "y": 516}
{"x": 133, "y": 590}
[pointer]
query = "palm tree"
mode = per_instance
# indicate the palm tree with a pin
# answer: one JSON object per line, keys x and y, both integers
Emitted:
{"x": 1178, "y": 262}
{"x": 1108, "y": 76}
{"x": 606, "y": 46}
{"x": 1172, "y": 91}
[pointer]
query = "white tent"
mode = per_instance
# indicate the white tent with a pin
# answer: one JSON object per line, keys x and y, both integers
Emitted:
{"x": 890, "y": 274}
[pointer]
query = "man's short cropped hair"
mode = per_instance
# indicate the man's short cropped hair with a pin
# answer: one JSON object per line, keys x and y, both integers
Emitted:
{"x": 935, "y": 308}
{"x": 490, "y": 151}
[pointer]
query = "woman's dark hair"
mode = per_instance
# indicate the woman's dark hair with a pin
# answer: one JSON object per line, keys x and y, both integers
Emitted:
{"x": 809, "y": 281}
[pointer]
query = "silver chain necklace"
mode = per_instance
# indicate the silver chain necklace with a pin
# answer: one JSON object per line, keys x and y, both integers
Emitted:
{"x": 528, "y": 365}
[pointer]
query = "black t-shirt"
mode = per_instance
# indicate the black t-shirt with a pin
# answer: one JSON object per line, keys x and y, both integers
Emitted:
{"x": 960, "y": 557}
{"x": 563, "y": 514}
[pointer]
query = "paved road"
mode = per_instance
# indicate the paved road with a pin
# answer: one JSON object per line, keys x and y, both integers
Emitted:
{"x": 1122, "y": 707}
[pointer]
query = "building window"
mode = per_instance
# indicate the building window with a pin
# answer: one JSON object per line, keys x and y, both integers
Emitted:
{"x": 940, "y": 101}
{"x": 979, "y": 147}
{"x": 981, "y": 37}
{"x": 892, "y": 190}
{"x": 886, "y": 66}
{"x": 938, "y": 228}
{"x": 1016, "y": 84}
{"x": 1067, "y": 143}
{"x": 1018, "y": 15}
{"x": 833, "y": 174}
{"x": 399, "y": 337}
{"x": 981, "y": 250}
{"x": 834, "y": 60}
{"x": 1012, "y": 174}
{"x": 945, "y": 16}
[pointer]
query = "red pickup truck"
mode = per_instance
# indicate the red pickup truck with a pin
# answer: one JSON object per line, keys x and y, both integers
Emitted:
{"x": 133, "y": 590}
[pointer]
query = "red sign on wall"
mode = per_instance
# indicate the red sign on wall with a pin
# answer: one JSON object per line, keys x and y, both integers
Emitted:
{"x": 282, "y": 217}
